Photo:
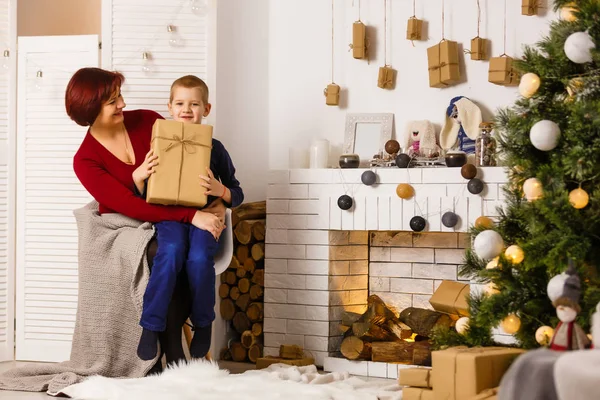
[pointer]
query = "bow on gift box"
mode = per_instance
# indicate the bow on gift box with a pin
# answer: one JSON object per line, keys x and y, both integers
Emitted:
{"x": 187, "y": 145}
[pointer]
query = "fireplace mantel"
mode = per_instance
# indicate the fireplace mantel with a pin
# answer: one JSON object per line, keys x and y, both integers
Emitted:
{"x": 317, "y": 256}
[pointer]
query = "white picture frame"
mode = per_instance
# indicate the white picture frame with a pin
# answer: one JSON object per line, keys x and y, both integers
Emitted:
{"x": 366, "y": 134}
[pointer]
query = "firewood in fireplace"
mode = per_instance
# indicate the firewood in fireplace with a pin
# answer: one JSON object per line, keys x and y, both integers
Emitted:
{"x": 256, "y": 292}
{"x": 255, "y": 352}
{"x": 422, "y": 321}
{"x": 227, "y": 309}
{"x": 224, "y": 290}
{"x": 414, "y": 353}
{"x": 244, "y": 285}
{"x": 354, "y": 348}
{"x": 242, "y": 252}
{"x": 245, "y": 231}
{"x": 241, "y": 322}
{"x": 258, "y": 251}
{"x": 246, "y": 211}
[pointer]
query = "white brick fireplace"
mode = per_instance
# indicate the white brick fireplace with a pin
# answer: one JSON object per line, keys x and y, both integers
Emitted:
{"x": 321, "y": 261}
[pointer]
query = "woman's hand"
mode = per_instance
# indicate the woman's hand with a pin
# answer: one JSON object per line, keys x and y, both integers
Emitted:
{"x": 215, "y": 188}
{"x": 208, "y": 222}
{"x": 217, "y": 207}
{"x": 144, "y": 171}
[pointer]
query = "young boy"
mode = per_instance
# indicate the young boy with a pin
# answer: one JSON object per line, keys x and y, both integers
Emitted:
{"x": 183, "y": 245}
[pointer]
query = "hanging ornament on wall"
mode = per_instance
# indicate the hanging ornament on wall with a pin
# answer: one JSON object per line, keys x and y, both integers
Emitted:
{"x": 475, "y": 186}
{"x": 449, "y": 219}
{"x": 543, "y": 335}
{"x": 567, "y": 12}
{"x": 484, "y": 223}
{"x": 6, "y": 60}
{"x": 387, "y": 75}
{"x": 479, "y": 45}
{"x": 359, "y": 43}
{"x": 511, "y": 324}
{"x": 488, "y": 244}
{"x": 146, "y": 62}
{"x": 199, "y": 7}
{"x": 529, "y": 85}
{"x": 578, "y": 47}
{"x": 403, "y": 160}
{"x": 39, "y": 81}
{"x": 345, "y": 202}
{"x": 369, "y": 178}
{"x": 533, "y": 190}
{"x": 462, "y": 324}
{"x": 514, "y": 254}
{"x": 544, "y": 135}
{"x": 579, "y": 198}
{"x": 468, "y": 171}
{"x": 405, "y": 191}
{"x": 332, "y": 91}
{"x": 174, "y": 40}
{"x": 417, "y": 223}
{"x": 414, "y": 27}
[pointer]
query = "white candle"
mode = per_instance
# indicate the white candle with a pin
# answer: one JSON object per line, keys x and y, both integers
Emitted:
{"x": 319, "y": 153}
{"x": 298, "y": 158}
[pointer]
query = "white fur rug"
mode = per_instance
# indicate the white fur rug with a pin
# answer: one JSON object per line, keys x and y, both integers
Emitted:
{"x": 204, "y": 380}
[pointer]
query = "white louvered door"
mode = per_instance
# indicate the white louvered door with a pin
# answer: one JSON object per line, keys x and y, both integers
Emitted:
{"x": 6, "y": 187}
{"x": 47, "y": 193}
{"x": 134, "y": 27}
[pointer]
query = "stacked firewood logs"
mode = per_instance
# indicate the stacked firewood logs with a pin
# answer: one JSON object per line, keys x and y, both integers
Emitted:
{"x": 242, "y": 284}
{"x": 380, "y": 335}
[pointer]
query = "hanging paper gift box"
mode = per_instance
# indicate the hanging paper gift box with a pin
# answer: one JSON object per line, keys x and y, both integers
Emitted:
{"x": 332, "y": 94}
{"x": 502, "y": 72}
{"x": 442, "y": 60}
{"x": 387, "y": 78}
{"x": 359, "y": 40}
{"x": 183, "y": 151}
{"x": 478, "y": 48}
{"x": 529, "y": 7}
{"x": 414, "y": 29}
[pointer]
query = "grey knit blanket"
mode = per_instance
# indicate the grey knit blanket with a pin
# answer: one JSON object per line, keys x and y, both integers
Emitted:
{"x": 113, "y": 274}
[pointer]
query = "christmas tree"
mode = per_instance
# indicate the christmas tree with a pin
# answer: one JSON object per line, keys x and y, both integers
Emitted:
{"x": 550, "y": 140}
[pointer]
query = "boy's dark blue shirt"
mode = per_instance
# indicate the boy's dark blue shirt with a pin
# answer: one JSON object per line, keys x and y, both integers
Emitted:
{"x": 223, "y": 169}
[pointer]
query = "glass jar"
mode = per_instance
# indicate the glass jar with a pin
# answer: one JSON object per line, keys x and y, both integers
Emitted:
{"x": 485, "y": 146}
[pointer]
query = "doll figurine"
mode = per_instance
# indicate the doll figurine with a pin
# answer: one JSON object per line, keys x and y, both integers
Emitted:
{"x": 462, "y": 125}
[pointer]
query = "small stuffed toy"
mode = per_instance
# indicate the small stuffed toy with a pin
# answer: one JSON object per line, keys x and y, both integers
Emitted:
{"x": 420, "y": 139}
{"x": 564, "y": 290}
{"x": 462, "y": 125}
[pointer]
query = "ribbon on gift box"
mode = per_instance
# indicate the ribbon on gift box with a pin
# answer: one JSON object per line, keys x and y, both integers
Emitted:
{"x": 187, "y": 145}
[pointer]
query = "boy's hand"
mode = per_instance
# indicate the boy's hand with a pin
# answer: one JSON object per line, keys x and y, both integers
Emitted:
{"x": 208, "y": 222}
{"x": 145, "y": 169}
{"x": 217, "y": 207}
{"x": 215, "y": 188}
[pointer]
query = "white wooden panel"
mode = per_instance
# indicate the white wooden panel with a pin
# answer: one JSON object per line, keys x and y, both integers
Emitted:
{"x": 408, "y": 207}
{"x": 335, "y": 215}
{"x": 46, "y": 247}
{"x": 7, "y": 177}
{"x": 461, "y": 209}
{"x": 360, "y": 213}
{"x": 434, "y": 220}
{"x": 372, "y": 213}
{"x": 396, "y": 210}
{"x": 132, "y": 27}
{"x": 348, "y": 217}
{"x": 384, "y": 213}
{"x": 421, "y": 209}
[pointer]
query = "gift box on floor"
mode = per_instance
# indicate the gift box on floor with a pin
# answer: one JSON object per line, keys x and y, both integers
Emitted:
{"x": 412, "y": 393}
{"x": 359, "y": 40}
{"x": 451, "y": 298}
{"x": 442, "y": 60}
{"x": 501, "y": 71}
{"x": 183, "y": 152}
{"x": 529, "y": 7}
{"x": 462, "y": 373}
{"x": 414, "y": 29}
{"x": 488, "y": 394}
{"x": 415, "y": 377}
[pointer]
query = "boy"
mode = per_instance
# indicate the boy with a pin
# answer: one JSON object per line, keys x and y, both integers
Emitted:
{"x": 183, "y": 245}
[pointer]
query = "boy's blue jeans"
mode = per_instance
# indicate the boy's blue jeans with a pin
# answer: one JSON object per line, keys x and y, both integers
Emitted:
{"x": 180, "y": 246}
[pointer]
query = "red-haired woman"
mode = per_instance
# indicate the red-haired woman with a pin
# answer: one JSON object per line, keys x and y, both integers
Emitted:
{"x": 115, "y": 147}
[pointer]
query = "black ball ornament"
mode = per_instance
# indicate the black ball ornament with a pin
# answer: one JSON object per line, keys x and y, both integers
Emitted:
{"x": 368, "y": 178}
{"x": 449, "y": 219}
{"x": 475, "y": 186}
{"x": 403, "y": 160}
{"x": 345, "y": 202}
{"x": 417, "y": 224}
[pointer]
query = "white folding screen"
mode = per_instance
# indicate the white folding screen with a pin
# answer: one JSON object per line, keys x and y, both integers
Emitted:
{"x": 154, "y": 42}
{"x": 47, "y": 193}
{"x": 7, "y": 179}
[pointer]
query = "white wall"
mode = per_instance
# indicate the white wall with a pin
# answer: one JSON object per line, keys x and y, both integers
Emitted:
{"x": 241, "y": 96}
{"x": 299, "y": 64}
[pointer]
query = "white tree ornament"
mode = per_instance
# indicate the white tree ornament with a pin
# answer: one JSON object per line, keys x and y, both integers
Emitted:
{"x": 544, "y": 135}
{"x": 488, "y": 244}
{"x": 578, "y": 46}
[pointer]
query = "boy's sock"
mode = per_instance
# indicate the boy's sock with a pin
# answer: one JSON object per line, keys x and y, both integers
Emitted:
{"x": 201, "y": 341}
{"x": 148, "y": 347}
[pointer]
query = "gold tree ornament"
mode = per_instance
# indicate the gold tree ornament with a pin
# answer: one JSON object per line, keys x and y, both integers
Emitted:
{"x": 543, "y": 335}
{"x": 579, "y": 198}
{"x": 387, "y": 75}
{"x": 514, "y": 254}
{"x": 567, "y": 12}
{"x": 511, "y": 324}
{"x": 529, "y": 85}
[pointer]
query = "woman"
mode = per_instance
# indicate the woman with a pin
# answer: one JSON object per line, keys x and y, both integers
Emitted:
{"x": 115, "y": 147}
